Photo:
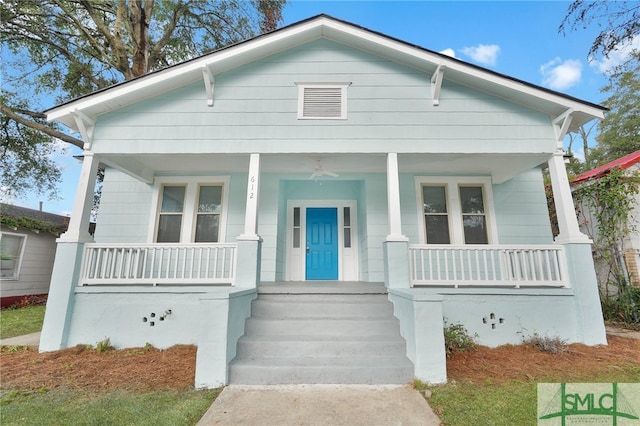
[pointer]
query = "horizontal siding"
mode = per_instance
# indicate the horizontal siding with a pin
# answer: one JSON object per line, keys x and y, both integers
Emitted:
{"x": 386, "y": 101}
{"x": 272, "y": 118}
{"x": 521, "y": 210}
{"x": 36, "y": 267}
{"x": 125, "y": 206}
{"x": 319, "y": 132}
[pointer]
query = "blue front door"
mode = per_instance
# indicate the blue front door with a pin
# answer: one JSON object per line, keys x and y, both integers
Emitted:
{"x": 322, "y": 244}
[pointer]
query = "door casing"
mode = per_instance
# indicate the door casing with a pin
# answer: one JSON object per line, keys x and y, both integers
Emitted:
{"x": 347, "y": 256}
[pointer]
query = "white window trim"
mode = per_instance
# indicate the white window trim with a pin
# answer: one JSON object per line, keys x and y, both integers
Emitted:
{"x": 18, "y": 265}
{"x": 192, "y": 183}
{"x": 329, "y": 85}
{"x": 348, "y": 260}
{"x": 454, "y": 213}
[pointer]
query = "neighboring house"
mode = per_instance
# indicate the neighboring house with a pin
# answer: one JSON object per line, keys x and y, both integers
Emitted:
{"x": 321, "y": 159}
{"x": 629, "y": 247}
{"x": 27, "y": 249}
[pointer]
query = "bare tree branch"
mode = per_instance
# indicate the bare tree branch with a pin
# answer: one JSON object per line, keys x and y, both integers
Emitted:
{"x": 40, "y": 127}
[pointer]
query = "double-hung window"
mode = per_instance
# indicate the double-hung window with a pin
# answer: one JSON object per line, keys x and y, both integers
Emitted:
{"x": 11, "y": 253}
{"x": 190, "y": 210}
{"x": 456, "y": 210}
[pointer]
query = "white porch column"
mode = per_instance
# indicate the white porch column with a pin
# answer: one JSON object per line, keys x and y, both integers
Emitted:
{"x": 393, "y": 199}
{"x": 68, "y": 261}
{"x": 78, "y": 230}
{"x": 251, "y": 212}
{"x": 249, "y": 243}
{"x": 565, "y": 209}
{"x": 396, "y": 246}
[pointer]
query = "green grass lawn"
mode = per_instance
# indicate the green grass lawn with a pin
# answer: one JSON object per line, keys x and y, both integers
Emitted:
{"x": 19, "y": 321}
{"x": 77, "y": 407}
{"x": 508, "y": 404}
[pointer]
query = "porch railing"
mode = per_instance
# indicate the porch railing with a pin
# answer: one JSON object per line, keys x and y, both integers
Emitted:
{"x": 488, "y": 265}
{"x": 158, "y": 264}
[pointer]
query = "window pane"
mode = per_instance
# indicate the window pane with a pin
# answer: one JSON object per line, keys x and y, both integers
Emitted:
{"x": 207, "y": 228}
{"x": 296, "y": 237}
{"x": 10, "y": 248}
{"x": 172, "y": 199}
{"x": 475, "y": 229}
{"x": 169, "y": 228}
{"x": 437, "y": 229}
{"x": 296, "y": 216}
{"x": 210, "y": 199}
{"x": 347, "y": 237}
{"x": 471, "y": 199}
{"x": 435, "y": 199}
{"x": 347, "y": 216}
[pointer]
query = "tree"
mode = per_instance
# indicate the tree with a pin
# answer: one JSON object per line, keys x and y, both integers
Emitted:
{"x": 619, "y": 20}
{"x": 620, "y": 129}
{"x": 576, "y": 166}
{"x": 63, "y": 49}
{"x": 26, "y": 157}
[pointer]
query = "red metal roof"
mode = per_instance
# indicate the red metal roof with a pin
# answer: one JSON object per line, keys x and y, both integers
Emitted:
{"x": 622, "y": 163}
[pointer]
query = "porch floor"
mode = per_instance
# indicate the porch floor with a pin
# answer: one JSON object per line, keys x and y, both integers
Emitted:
{"x": 322, "y": 287}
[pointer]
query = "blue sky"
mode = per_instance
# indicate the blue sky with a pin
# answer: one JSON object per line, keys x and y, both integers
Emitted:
{"x": 517, "y": 38}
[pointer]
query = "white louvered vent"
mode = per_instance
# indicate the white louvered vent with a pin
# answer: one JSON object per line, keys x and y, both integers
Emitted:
{"x": 322, "y": 101}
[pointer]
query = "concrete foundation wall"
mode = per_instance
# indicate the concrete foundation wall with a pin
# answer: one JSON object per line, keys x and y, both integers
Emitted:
{"x": 510, "y": 317}
{"x": 212, "y": 320}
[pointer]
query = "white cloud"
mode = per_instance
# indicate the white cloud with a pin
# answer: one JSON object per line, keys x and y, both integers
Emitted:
{"x": 561, "y": 75}
{"x": 618, "y": 56}
{"x": 486, "y": 54}
{"x": 449, "y": 52}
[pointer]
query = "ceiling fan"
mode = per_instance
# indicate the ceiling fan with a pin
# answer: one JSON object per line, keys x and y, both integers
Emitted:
{"x": 319, "y": 171}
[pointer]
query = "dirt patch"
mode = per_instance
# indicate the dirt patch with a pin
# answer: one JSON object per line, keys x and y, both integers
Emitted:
{"x": 139, "y": 369}
{"x": 526, "y": 362}
{"x": 146, "y": 369}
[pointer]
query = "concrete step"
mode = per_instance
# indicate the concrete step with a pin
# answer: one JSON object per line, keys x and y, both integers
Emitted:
{"x": 253, "y": 347}
{"x": 342, "y": 370}
{"x": 326, "y": 298}
{"x": 322, "y": 287}
{"x": 354, "y": 326}
{"x": 292, "y": 309}
{"x": 322, "y": 333}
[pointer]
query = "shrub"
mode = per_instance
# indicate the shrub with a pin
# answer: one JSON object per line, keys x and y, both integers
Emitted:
{"x": 104, "y": 345}
{"x": 552, "y": 345}
{"x": 622, "y": 307}
{"x": 457, "y": 339}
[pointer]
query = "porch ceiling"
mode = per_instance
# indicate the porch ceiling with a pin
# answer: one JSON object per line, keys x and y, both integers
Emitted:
{"x": 500, "y": 166}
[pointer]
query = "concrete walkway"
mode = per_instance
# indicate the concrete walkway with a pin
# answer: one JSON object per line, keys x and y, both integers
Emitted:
{"x": 32, "y": 339}
{"x": 623, "y": 332}
{"x": 310, "y": 405}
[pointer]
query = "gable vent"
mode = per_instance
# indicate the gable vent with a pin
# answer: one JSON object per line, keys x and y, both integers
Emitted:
{"x": 320, "y": 101}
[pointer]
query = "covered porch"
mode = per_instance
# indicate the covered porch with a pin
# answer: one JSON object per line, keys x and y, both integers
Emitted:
{"x": 216, "y": 263}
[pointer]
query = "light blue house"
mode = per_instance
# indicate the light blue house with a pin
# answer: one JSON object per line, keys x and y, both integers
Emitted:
{"x": 312, "y": 205}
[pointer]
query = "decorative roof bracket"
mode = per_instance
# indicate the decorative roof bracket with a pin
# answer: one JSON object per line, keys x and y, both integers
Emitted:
{"x": 209, "y": 84}
{"x": 436, "y": 83}
{"x": 561, "y": 126}
{"x": 85, "y": 126}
